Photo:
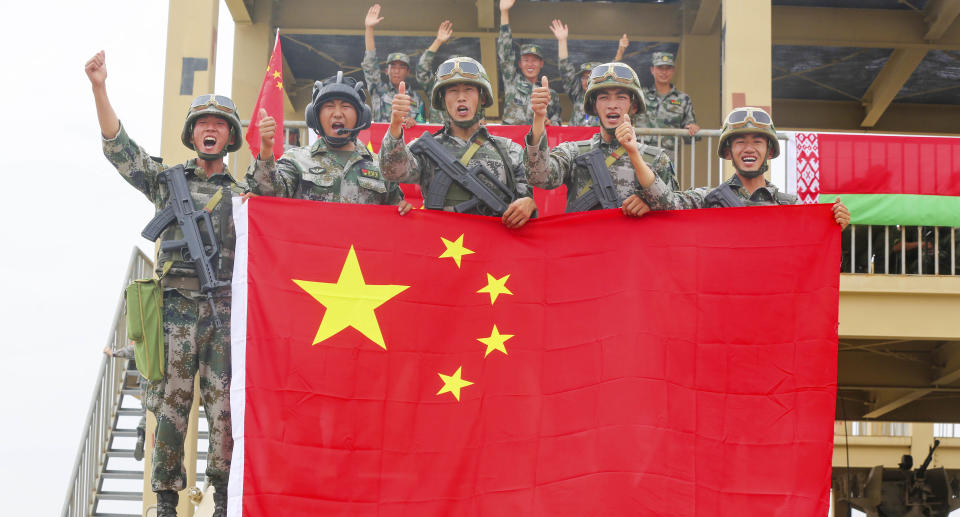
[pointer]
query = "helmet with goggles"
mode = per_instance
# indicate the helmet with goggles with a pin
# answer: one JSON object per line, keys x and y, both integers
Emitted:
{"x": 612, "y": 75}
{"x": 748, "y": 120}
{"x": 217, "y": 105}
{"x": 461, "y": 70}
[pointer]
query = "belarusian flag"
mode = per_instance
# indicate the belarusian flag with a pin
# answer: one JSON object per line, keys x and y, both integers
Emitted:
{"x": 437, "y": 364}
{"x": 883, "y": 179}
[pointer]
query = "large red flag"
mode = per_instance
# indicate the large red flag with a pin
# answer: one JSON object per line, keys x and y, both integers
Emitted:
{"x": 437, "y": 364}
{"x": 270, "y": 98}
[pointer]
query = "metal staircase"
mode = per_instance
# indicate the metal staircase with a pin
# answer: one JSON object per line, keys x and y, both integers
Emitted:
{"x": 106, "y": 480}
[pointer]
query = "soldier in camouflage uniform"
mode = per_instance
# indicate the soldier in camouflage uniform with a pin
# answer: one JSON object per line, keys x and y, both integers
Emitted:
{"x": 425, "y": 74}
{"x": 192, "y": 342}
{"x": 127, "y": 352}
{"x": 575, "y": 80}
{"x": 749, "y": 140}
{"x": 462, "y": 88}
{"x": 337, "y": 167}
{"x": 613, "y": 95}
{"x": 398, "y": 68}
{"x": 667, "y": 107}
{"x": 517, "y": 88}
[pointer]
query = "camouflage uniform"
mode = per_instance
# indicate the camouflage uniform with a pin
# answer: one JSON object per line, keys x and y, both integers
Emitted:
{"x": 191, "y": 342}
{"x": 549, "y": 171}
{"x": 318, "y": 174}
{"x": 516, "y": 88}
{"x": 382, "y": 92}
{"x": 571, "y": 81}
{"x": 426, "y": 78}
{"x": 660, "y": 197}
{"x": 673, "y": 110}
{"x": 399, "y": 164}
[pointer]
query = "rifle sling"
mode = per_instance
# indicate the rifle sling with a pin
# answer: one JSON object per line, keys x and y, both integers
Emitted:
{"x": 610, "y": 160}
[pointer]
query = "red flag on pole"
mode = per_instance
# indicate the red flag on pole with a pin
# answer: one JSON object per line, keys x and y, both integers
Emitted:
{"x": 270, "y": 99}
{"x": 587, "y": 364}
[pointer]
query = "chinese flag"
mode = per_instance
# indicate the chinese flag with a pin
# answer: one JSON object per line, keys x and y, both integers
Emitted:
{"x": 270, "y": 99}
{"x": 436, "y": 364}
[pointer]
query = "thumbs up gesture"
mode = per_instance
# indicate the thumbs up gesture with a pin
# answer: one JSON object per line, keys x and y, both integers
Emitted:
{"x": 268, "y": 129}
{"x": 400, "y": 109}
{"x": 540, "y": 98}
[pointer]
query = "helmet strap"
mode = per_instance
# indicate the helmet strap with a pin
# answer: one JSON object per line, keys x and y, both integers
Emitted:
{"x": 211, "y": 157}
{"x": 467, "y": 124}
{"x": 337, "y": 141}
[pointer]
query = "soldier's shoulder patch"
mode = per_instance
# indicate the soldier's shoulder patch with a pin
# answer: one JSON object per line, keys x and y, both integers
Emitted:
{"x": 676, "y": 102}
{"x": 369, "y": 172}
{"x": 316, "y": 170}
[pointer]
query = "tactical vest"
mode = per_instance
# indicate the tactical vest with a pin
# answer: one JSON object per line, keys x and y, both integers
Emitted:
{"x": 221, "y": 216}
{"x": 457, "y": 194}
{"x": 726, "y": 196}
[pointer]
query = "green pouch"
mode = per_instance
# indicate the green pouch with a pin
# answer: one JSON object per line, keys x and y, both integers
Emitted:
{"x": 145, "y": 326}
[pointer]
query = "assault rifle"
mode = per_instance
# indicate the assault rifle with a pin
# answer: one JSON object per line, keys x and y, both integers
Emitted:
{"x": 602, "y": 192}
{"x": 180, "y": 210}
{"x": 451, "y": 171}
{"x": 722, "y": 196}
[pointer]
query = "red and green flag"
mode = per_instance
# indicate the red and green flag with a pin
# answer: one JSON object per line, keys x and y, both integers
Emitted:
{"x": 270, "y": 98}
{"x": 883, "y": 179}
{"x": 437, "y": 364}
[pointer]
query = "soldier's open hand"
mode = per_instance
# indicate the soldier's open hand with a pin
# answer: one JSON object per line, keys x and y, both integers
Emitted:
{"x": 540, "y": 98}
{"x": 634, "y": 206}
{"x": 841, "y": 214}
{"x": 445, "y": 31}
{"x": 373, "y": 16}
{"x": 626, "y": 135}
{"x": 404, "y": 207}
{"x": 96, "y": 69}
{"x": 559, "y": 30}
{"x": 519, "y": 212}
{"x": 505, "y": 5}
{"x": 268, "y": 130}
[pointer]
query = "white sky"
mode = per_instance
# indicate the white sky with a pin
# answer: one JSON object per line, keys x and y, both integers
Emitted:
{"x": 69, "y": 221}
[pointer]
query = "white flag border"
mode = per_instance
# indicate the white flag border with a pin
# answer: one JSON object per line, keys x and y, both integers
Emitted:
{"x": 238, "y": 353}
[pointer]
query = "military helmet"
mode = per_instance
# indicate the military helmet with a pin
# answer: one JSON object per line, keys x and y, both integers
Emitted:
{"x": 748, "y": 120}
{"x": 218, "y": 105}
{"x": 612, "y": 75}
{"x": 457, "y": 70}
{"x": 346, "y": 89}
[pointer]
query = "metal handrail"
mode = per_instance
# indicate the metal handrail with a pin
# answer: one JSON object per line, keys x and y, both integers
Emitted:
{"x": 92, "y": 452}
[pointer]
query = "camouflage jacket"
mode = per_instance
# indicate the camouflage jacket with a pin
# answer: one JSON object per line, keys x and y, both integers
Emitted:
{"x": 140, "y": 170}
{"x": 317, "y": 174}
{"x": 400, "y": 164}
{"x": 673, "y": 110}
{"x": 382, "y": 92}
{"x": 426, "y": 78}
{"x": 660, "y": 197}
{"x": 571, "y": 82}
{"x": 516, "y": 88}
{"x": 549, "y": 169}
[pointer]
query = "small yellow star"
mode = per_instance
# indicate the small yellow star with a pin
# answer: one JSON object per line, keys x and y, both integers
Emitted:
{"x": 275, "y": 74}
{"x": 268, "y": 67}
{"x": 455, "y": 249}
{"x": 496, "y": 287}
{"x": 495, "y": 341}
{"x": 279, "y": 85}
{"x": 350, "y": 302}
{"x": 453, "y": 383}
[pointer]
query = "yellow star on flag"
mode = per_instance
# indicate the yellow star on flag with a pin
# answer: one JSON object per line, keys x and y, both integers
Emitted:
{"x": 495, "y": 341}
{"x": 279, "y": 85}
{"x": 453, "y": 383}
{"x": 350, "y": 302}
{"x": 455, "y": 249}
{"x": 275, "y": 73}
{"x": 496, "y": 287}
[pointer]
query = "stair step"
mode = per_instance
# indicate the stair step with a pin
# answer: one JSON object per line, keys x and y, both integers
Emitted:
{"x": 119, "y": 496}
{"x": 130, "y": 411}
{"x": 122, "y": 474}
{"x": 132, "y": 392}
{"x": 124, "y": 433}
{"x": 119, "y": 453}
{"x": 115, "y": 515}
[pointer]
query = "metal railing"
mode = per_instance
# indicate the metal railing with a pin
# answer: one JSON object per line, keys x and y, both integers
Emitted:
{"x": 901, "y": 250}
{"x": 92, "y": 453}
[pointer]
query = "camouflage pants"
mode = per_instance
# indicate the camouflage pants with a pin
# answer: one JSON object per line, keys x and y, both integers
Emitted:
{"x": 192, "y": 345}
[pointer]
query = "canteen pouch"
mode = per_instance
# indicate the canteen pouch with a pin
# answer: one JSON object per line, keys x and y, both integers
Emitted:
{"x": 144, "y": 300}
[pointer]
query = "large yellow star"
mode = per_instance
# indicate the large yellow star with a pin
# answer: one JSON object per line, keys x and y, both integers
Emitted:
{"x": 276, "y": 74}
{"x": 453, "y": 383}
{"x": 350, "y": 302}
{"x": 495, "y": 341}
{"x": 455, "y": 249}
{"x": 496, "y": 287}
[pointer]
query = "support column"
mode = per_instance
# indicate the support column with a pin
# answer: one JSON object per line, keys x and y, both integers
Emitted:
{"x": 747, "y": 50}
{"x": 190, "y": 64}
{"x": 699, "y": 75}
{"x": 252, "y": 45}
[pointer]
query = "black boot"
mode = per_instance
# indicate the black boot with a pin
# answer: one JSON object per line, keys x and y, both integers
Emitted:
{"x": 219, "y": 501}
{"x": 138, "y": 450}
{"x": 167, "y": 503}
